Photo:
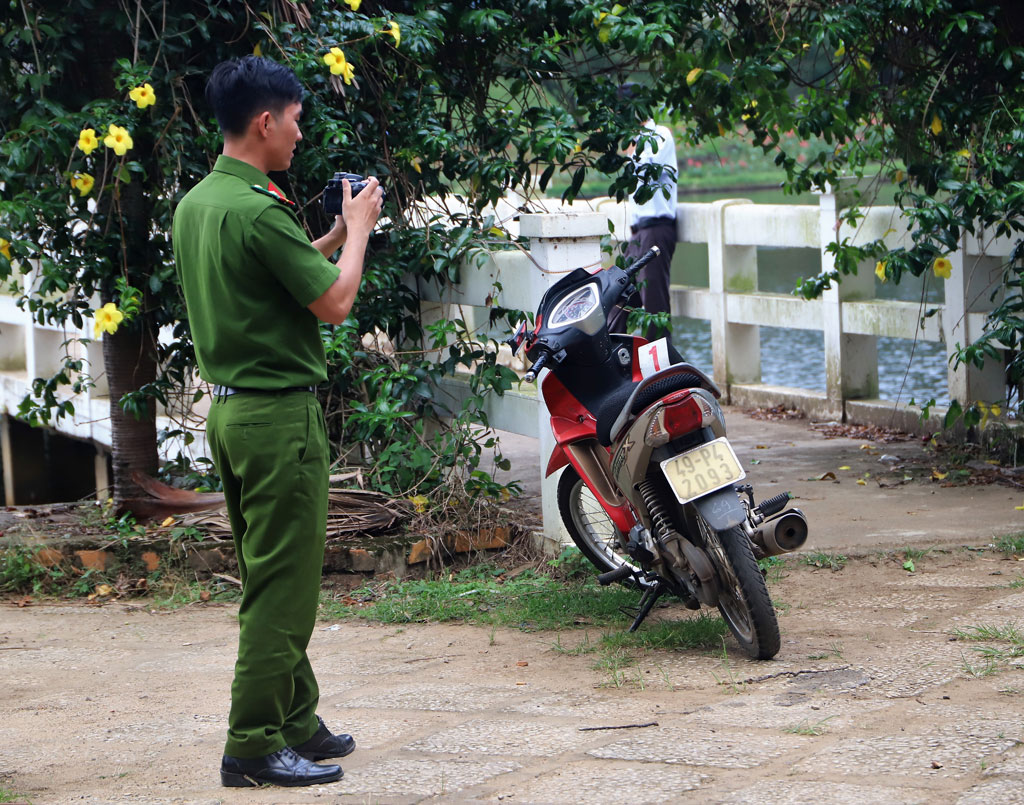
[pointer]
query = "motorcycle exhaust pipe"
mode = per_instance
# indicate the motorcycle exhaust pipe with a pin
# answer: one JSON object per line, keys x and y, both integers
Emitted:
{"x": 782, "y": 533}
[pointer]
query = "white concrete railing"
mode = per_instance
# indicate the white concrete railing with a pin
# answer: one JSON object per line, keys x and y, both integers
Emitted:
{"x": 849, "y": 316}
{"x": 29, "y": 350}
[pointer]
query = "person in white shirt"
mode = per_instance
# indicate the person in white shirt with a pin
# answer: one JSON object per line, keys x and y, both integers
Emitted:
{"x": 652, "y": 223}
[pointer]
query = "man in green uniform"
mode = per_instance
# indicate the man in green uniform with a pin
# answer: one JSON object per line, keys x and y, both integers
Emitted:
{"x": 255, "y": 288}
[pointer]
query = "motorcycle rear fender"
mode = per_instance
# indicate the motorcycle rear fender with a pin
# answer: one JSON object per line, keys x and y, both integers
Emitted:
{"x": 722, "y": 509}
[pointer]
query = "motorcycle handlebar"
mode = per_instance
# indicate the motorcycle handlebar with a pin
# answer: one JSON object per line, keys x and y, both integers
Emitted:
{"x": 643, "y": 260}
{"x": 534, "y": 370}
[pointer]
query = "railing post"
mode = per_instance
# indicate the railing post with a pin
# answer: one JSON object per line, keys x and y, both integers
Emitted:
{"x": 851, "y": 361}
{"x": 559, "y": 243}
{"x": 735, "y": 348}
{"x": 968, "y": 291}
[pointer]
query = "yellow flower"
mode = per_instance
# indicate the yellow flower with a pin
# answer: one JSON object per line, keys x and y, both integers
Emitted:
{"x": 942, "y": 267}
{"x": 395, "y": 31}
{"x": 963, "y": 152}
{"x": 692, "y": 76}
{"x": 82, "y": 182}
{"x": 354, "y": 4}
{"x": 119, "y": 139}
{"x": 936, "y": 125}
{"x": 5, "y": 248}
{"x": 335, "y": 59}
{"x": 143, "y": 96}
{"x": 419, "y": 503}
{"x": 87, "y": 141}
{"x": 107, "y": 318}
{"x": 417, "y": 165}
{"x": 880, "y": 270}
{"x": 805, "y": 46}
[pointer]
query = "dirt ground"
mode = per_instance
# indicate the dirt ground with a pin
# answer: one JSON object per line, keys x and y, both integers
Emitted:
{"x": 873, "y": 699}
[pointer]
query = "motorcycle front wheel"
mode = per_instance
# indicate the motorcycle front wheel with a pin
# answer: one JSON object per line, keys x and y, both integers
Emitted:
{"x": 743, "y": 597}
{"x": 589, "y": 525}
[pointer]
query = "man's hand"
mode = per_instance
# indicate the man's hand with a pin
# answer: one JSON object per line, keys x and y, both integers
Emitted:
{"x": 361, "y": 213}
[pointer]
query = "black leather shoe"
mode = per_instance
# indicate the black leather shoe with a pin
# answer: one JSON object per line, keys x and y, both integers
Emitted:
{"x": 325, "y": 744}
{"x": 283, "y": 767}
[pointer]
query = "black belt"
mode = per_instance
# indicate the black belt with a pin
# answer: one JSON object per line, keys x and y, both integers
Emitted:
{"x": 227, "y": 391}
{"x": 649, "y": 221}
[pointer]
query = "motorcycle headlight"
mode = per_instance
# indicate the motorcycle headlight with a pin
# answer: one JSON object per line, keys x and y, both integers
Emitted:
{"x": 575, "y": 307}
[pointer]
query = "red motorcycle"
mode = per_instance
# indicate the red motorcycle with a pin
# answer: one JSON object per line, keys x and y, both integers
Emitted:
{"x": 652, "y": 490}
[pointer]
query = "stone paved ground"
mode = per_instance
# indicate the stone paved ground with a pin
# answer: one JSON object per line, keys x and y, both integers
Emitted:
{"x": 871, "y": 700}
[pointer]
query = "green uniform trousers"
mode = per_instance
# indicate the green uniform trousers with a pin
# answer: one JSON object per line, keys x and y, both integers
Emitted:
{"x": 272, "y": 456}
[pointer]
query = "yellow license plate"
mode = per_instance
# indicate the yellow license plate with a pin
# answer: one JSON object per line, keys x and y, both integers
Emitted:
{"x": 705, "y": 469}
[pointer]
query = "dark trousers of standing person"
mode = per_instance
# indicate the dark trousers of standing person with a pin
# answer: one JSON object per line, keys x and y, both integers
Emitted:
{"x": 653, "y": 280}
{"x": 272, "y": 455}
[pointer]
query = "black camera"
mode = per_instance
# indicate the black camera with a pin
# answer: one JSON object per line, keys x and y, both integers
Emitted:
{"x": 334, "y": 193}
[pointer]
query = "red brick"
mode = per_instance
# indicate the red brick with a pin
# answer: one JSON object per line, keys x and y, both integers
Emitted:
{"x": 96, "y": 560}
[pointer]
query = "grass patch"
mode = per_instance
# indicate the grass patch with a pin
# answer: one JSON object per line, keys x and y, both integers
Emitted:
{"x": 482, "y": 595}
{"x": 700, "y": 631}
{"x": 772, "y": 568}
{"x": 833, "y": 561}
{"x": 1012, "y": 545}
{"x": 807, "y": 728}
{"x": 7, "y": 795}
{"x": 1001, "y": 645}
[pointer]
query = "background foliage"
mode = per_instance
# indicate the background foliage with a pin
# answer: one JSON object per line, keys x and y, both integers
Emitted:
{"x": 469, "y": 102}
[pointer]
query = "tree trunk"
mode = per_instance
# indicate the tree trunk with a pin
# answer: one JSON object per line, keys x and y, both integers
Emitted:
{"x": 130, "y": 359}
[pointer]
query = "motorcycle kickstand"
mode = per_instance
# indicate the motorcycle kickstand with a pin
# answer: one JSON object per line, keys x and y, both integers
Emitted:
{"x": 647, "y": 602}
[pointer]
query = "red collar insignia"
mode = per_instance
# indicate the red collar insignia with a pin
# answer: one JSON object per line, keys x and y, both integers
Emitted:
{"x": 274, "y": 193}
{"x": 277, "y": 192}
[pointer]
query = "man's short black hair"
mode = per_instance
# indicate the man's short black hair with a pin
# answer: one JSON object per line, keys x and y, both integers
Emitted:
{"x": 240, "y": 89}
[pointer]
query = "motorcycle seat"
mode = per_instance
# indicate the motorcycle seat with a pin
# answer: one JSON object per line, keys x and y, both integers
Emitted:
{"x": 611, "y": 408}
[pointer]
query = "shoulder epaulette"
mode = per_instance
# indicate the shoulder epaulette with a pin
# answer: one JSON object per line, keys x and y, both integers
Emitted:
{"x": 274, "y": 193}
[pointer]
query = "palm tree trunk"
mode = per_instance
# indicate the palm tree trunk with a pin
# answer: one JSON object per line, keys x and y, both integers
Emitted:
{"x": 130, "y": 359}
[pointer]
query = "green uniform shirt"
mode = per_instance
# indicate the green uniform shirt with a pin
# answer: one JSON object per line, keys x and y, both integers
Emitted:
{"x": 248, "y": 272}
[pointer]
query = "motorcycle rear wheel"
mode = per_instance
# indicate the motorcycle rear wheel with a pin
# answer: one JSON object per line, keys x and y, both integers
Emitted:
{"x": 743, "y": 597}
{"x": 589, "y": 525}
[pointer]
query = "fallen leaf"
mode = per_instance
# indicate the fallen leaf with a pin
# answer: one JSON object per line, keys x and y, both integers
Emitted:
{"x": 522, "y": 663}
{"x": 936, "y": 764}
{"x": 760, "y": 447}
{"x": 755, "y": 461}
{"x": 825, "y": 476}
{"x": 909, "y": 565}
{"x": 844, "y": 467}
{"x": 939, "y": 476}
{"x": 861, "y": 482}
{"x": 104, "y": 589}
{"x": 24, "y": 602}
{"x": 204, "y": 595}
{"x": 167, "y": 521}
